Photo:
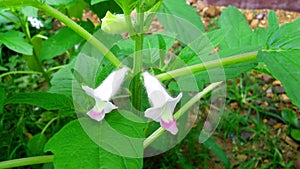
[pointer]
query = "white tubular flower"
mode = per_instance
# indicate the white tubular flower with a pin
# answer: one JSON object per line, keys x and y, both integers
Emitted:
{"x": 163, "y": 104}
{"x": 103, "y": 93}
{"x": 115, "y": 24}
{"x": 35, "y": 22}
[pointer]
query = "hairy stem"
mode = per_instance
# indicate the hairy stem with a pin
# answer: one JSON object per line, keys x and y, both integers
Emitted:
{"x": 246, "y": 57}
{"x": 26, "y": 161}
{"x": 180, "y": 112}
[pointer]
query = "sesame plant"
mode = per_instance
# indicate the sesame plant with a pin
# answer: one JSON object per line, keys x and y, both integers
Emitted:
{"x": 126, "y": 91}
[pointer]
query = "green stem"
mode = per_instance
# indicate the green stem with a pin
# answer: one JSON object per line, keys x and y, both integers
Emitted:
{"x": 207, "y": 65}
{"x": 138, "y": 62}
{"x": 26, "y": 161}
{"x": 138, "y": 45}
{"x": 39, "y": 64}
{"x": 19, "y": 72}
{"x": 180, "y": 112}
{"x": 82, "y": 32}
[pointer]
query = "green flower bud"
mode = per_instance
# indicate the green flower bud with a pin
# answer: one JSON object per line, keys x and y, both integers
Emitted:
{"x": 114, "y": 24}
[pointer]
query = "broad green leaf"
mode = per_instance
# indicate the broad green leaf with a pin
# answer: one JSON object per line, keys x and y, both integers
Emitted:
{"x": 237, "y": 32}
{"x": 180, "y": 9}
{"x": 290, "y": 117}
{"x": 30, "y": 11}
{"x": 116, "y": 134}
{"x": 76, "y": 9}
{"x": 62, "y": 80}
{"x": 14, "y": 40}
{"x": 2, "y": 99}
{"x": 153, "y": 44}
{"x": 93, "y": 2}
{"x": 60, "y": 2}
{"x": 3, "y": 68}
{"x": 31, "y": 62}
{"x": 273, "y": 23}
{"x": 235, "y": 37}
{"x": 48, "y": 101}
{"x": 10, "y": 3}
{"x": 36, "y": 144}
{"x": 7, "y": 14}
{"x": 101, "y": 8}
{"x": 218, "y": 151}
{"x": 295, "y": 133}
{"x": 59, "y": 44}
{"x": 127, "y": 5}
{"x": 282, "y": 58}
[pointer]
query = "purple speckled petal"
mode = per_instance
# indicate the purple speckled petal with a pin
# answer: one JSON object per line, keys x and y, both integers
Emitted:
{"x": 98, "y": 116}
{"x": 170, "y": 126}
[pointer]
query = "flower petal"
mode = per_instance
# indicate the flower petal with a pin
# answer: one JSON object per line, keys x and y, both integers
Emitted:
{"x": 94, "y": 114}
{"x": 110, "y": 85}
{"x": 100, "y": 109}
{"x": 154, "y": 114}
{"x": 157, "y": 94}
{"x": 170, "y": 126}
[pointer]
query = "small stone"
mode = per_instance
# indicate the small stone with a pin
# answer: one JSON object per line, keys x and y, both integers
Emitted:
{"x": 267, "y": 78}
{"x": 254, "y": 23}
{"x": 277, "y": 82}
{"x": 211, "y": 11}
{"x": 265, "y": 121}
{"x": 278, "y": 89}
{"x": 246, "y": 134}
{"x": 272, "y": 122}
{"x": 277, "y": 126}
{"x": 248, "y": 16}
{"x": 260, "y": 16}
{"x": 285, "y": 98}
{"x": 241, "y": 157}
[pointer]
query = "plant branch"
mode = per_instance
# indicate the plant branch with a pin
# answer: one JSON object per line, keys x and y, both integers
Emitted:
{"x": 246, "y": 57}
{"x": 20, "y": 72}
{"x": 26, "y": 161}
{"x": 82, "y": 32}
{"x": 180, "y": 112}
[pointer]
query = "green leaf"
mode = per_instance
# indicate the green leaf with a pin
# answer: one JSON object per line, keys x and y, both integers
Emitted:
{"x": 2, "y": 99}
{"x": 62, "y": 80}
{"x": 115, "y": 134}
{"x": 10, "y": 3}
{"x": 273, "y": 23}
{"x": 239, "y": 31}
{"x": 14, "y": 40}
{"x": 282, "y": 57}
{"x": 295, "y": 133}
{"x": 180, "y": 9}
{"x": 101, "y": 8}
{"x": 3, "y": 68}
{"x": 48, "y": 101}
{"x": 155, "y": 43}
{"x": 36, "y": 144}
{"x": 290, "y": 117}
{"x": 218, "y": 151}
{"x": 127, "y": 5}
{"x": 30, "y": 11}
{"x": 60, "y": 2}
{"x": 59, "y": 44}
{"x": 76, "y": 9}
{"x": 31, "y": 62}
{"x": 93, "y": 2}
